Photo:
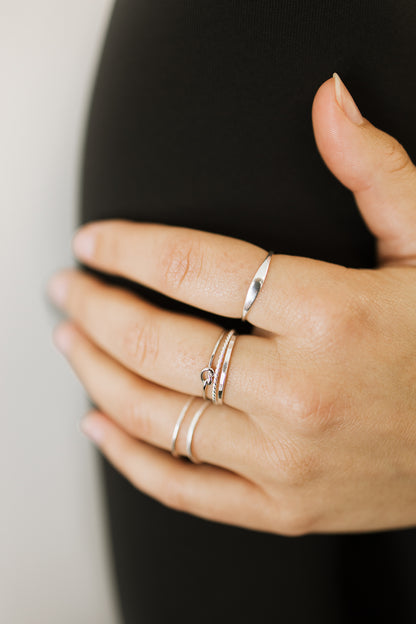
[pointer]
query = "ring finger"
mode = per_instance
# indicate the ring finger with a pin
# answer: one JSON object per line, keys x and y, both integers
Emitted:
{"x": 149, "y": 412}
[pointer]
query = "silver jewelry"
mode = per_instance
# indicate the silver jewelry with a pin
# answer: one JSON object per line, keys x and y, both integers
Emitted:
{"x": 224, "y": 370}
{"x": 219, "y": 365}
{"x": 207, "y": 374}
{"x": 177, "y": 426}
{"x": 256, "y": 285}
{"x": 191, "y": 430}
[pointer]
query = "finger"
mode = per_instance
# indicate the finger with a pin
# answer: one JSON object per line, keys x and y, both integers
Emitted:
{"x": 202, "y": 490}
{"x": 206, "y": 270}
{"x": 166, "y": 348}
{"x": 144, "y": 410}
{"x": 373, "y": 165}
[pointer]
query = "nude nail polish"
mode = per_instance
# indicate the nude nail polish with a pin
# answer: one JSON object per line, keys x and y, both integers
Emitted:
{"x": 346, "y": 101}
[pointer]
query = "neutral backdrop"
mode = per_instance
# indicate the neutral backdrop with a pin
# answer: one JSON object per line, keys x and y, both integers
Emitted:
{"x": 54, "y": 555}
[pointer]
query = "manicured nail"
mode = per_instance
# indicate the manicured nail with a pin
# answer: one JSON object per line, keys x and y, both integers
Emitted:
{"x": 83, "y": 243}
{"x": 346, "y": 102}
{"x": 63, "y": 336}
{"x": 57, "y": 288}
{"x": 92, "y": 428}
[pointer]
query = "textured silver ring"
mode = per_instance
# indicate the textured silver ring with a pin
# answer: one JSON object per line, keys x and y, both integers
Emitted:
{"x": 177, "y": 426}
{"x": 218, "y": 368}
{"x": 224, "y": 370}
{"x": 190, "y": 433}
{"x": 207, "y": 374}
{"x": 256, "y": 285}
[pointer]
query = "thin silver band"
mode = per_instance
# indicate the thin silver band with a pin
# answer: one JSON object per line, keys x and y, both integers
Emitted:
{"x": 177, "y": 426}
{"x": 191, "y": 430}
{"x": 224, "y": 371}
{"x": 219, "y": 365}
{"x": 207, "y": 374}
{"x": 256, "y": 285}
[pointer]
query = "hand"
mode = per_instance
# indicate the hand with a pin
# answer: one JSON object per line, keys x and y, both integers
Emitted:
{"x": 318, "y": 430}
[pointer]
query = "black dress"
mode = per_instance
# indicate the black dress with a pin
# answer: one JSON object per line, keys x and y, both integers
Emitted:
{"x": 201, "y": 116}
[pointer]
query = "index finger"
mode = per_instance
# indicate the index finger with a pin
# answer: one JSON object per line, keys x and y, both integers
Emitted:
{"x": 208, "y": 271}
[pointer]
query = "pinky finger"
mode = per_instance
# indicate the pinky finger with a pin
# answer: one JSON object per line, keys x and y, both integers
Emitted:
{"x": 200, "y": 489}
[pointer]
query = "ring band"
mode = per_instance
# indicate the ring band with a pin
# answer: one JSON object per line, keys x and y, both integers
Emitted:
{"x": 207, "y": 374}
{"x": 191, "y": 430}
{"x": 177, "y": 426}
{"x": 256, "y": 285}
{"x": 224, "y": 370}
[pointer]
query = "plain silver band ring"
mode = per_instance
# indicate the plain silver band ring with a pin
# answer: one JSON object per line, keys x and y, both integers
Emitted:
{"x": 224, "y": 371}
{"x": 256, "y": 285}
{"x": 177, "y": 426}
{"x": 191, "y": 430}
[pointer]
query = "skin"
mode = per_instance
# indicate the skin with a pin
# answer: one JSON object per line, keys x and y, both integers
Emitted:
{"x": 318, "y": 430}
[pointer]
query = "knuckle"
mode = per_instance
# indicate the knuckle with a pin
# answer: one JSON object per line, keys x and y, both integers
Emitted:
{"x": 346, "y": 313}
{"x": 396, "y": 159}
{"x": 306, "y": 407}
{"x": 348, "y": 321}
{"x": 316, "y": 414}
{"x": 358, "y": 316}
{"x": 322, "y": 316}
{"x": 327, "y": 318}
{"x": 181, "y": 262}
{"x": 141, "y": 344}
{"x": 307, "y": 402}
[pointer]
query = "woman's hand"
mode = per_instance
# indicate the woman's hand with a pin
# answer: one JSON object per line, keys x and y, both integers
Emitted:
{"x": 318, "y": 430}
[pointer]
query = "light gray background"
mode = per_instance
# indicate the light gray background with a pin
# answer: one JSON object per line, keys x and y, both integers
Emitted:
{"x": 54, "y": 565}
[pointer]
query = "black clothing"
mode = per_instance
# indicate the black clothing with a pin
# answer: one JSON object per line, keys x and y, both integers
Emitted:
{"x": 201, "y": 116}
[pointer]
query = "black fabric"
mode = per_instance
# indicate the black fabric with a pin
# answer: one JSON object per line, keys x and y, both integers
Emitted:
{"x": 201, "y": 116}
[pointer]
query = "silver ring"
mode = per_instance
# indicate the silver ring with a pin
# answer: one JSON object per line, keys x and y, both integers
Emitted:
{"x": 224, "y": 370}
{"x": 256, "y": 285}
{"x": 191, "y": 430}
{"x": 177, "y": 426}
{"x": 207, "y": 374}
{"x": 220, "y": 364}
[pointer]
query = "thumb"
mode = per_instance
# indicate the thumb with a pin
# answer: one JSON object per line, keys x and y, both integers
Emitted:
{"x": 373, "y": 165}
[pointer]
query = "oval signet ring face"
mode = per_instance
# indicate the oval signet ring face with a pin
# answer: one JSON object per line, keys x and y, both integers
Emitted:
{"x": 256, "y": 285}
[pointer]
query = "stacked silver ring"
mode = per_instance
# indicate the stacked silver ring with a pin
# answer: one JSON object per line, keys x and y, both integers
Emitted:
{"x": 191, "y": 429}
{"x": 208, "y": 373}
{"x": 218, "y": 376}
{"x": 221, "y": 370}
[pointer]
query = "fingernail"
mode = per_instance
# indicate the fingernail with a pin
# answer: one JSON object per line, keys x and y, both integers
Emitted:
{"x": 92, "y": 428}
{"x": 57, "y": 288}
{"x": 346, "y": 102}
{"x": 62, "y": 337}
{"x": 83, "y": 243}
